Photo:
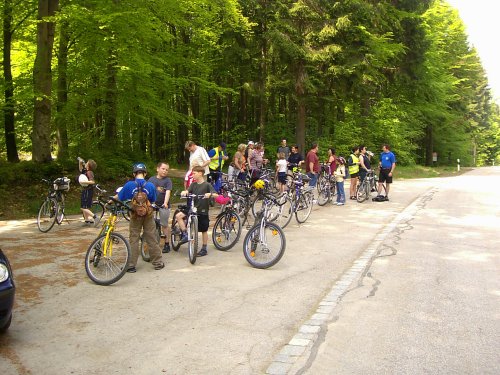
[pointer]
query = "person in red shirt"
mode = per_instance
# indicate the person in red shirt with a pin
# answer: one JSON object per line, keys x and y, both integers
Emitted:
{"x": 312, "y": 165}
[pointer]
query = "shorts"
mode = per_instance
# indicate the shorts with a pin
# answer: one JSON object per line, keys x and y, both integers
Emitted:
{"x": 86, "y": 198}
{"x": 384, "y": 176}
{"x": 282, "y": 177}
{"x": 354, "y": 175}
{"x": 203, "y": 223}
{"x": 164, "y": 216}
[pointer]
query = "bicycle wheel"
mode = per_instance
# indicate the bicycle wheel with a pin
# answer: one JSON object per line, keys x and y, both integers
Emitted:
{"x": 226, "y": 231}
{"x": 47, "y": 215}
{"x": 97, "y": 209}
{"x": 324, "y": 191}
{"x": 107, "y": 266}
{"x": 175, "y": 233}
{"x": 193, "y": 239}
{"x": 263, "y": 250}
{"x": 322, "y": 178}
{"x": 285, "y": 211}
{"x": 362, "y": 192}
{"x": 257, "y": 205}
{"x": 126, "y": 211}
{"x": 144, "y": 246}
{"x": 304, "y": 206}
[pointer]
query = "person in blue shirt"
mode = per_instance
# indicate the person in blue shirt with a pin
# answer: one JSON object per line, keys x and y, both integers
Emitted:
{"x": 387, "y": 165}
{"x": 144, "y": 224}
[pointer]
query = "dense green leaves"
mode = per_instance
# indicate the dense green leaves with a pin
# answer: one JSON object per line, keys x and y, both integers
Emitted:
{"x": 139, "y": 78}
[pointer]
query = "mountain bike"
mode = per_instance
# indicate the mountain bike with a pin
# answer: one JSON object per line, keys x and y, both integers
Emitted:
{"x": 108, "y": 255}
{"x": 265, "y": 243}
{"x": 159, "y": 234}
{"x": 227, "y": 228}
{"x": 326, "y": 185}
{"x": 191, "y": 221}
{"x": 367, "y": 188}
{"x": 98, "y": 206}
{"x": 52, "y": 209}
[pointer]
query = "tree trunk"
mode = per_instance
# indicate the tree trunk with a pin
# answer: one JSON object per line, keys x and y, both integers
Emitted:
{"x": 110, "y": 121}
{"x": 62, "y": 93}
{"x": 8, "y": 110}
{"x": 42, "y": 82}
{"x": 300, "y": 131}
{"x": 429, "y": 145}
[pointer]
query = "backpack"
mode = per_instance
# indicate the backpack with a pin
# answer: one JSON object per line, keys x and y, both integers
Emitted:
{"x": 140, "y": 204}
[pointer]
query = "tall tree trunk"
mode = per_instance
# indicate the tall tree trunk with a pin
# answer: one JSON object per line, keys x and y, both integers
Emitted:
{"x": 62, "y": 93}
{"x": 8, "y": 110}
{"x": 262, "y": 88}
{"x": 110, "y": 120}
{"x": 42, "y": 81}
{"x": 300, "y": 131}
{"x": 429, "y": 145}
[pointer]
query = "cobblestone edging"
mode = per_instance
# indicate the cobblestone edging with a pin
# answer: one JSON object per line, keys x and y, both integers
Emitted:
{"x": 294, "y": 355}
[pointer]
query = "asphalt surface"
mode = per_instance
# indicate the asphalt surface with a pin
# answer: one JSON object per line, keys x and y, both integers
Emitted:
{"x": 421, "y": 305}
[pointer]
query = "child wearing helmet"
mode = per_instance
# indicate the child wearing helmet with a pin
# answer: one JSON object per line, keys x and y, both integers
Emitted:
{"x": 144, "y": 224}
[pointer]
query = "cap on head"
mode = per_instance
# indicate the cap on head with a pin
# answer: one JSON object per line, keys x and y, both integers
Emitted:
{"x": 222, "y": 146}
{"x": 250, "y": 143}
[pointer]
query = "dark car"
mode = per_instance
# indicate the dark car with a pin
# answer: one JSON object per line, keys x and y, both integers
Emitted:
{"x": 7, "y": 292}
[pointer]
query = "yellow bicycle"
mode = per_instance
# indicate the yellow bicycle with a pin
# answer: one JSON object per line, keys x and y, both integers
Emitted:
{"x": 108, "y": 255}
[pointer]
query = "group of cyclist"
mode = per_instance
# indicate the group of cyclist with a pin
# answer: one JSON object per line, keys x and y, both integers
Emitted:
{"x": 247, "y": 163}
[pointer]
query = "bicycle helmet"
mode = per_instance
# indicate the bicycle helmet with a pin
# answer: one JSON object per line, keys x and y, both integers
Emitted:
{"x": 341, "y": 160}
{"x": 139, "y": 167}
{"x": 259, "y": 184}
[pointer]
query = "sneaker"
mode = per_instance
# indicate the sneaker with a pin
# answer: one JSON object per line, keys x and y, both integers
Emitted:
{"x": 202, "y": 252}
{"x": 96, "y": 220}
{"x": 131, "y": 269}
{"x": 166, "y": 248}
{"x": 184, "y": 238}
{"x": 386, "y": 199}
{"x": 315, "y": 201}
{"x": 340, "y": 204}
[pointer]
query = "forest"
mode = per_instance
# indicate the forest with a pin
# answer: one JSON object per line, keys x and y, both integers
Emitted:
{"x": 128, "y": 80}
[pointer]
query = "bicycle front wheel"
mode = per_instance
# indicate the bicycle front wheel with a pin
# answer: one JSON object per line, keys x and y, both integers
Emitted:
{"x": 263, "y": 249}
{"x": 106, "y": 261}
{"x": 226, "y": 231}
{"x": 285, "y": 211}
{"x": 175, "y": 233}
{"x": 193, "y": 239}
{"x": 362, "y": 193}
{"x": 97, "y": 209}
{"x": 47, "y": 215}
{"x": 304, "y": 206}
{"x": 324, "y": 191}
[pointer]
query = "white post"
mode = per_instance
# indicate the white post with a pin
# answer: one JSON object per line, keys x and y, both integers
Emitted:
{"x": 458, "y": 165}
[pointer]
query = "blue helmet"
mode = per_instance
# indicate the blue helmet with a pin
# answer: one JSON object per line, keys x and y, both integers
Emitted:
{"x": 139, "y": 167}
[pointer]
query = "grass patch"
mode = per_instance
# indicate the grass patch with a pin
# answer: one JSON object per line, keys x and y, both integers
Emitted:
{"x": 420, "y": 171}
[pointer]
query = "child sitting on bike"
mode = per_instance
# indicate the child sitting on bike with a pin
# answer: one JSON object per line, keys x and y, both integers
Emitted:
{"x": 198, "y": 187}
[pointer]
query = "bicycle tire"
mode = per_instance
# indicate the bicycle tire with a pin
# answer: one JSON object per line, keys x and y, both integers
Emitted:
{"x": 60, "y": 209}
{"x": 106, "y": 270}
{"x": 98, "y": 210}
{"x": 361, "y": 193}
{"x": 264, "y": 251}
{"x": 193, "y": 239}
{"x": 304, "y": 207}
{"x": 144, "y": 246}
{"x": 175, "y": 233}
{"x": 324, "y": 191}
{"x": 321, "y": 179}
{"x": 285, "y": 211}
{"x": 47, "y": 215}
{"x": 227, "y": 230}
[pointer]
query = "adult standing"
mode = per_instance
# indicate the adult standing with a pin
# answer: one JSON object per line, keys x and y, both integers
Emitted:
{"x": 217, "y": 158}
{"x": 364, "y": 162}
{"x": 144, "y": 224}
{"x": 332, "y": 160}
{"x": 255, "y": 162}
{"x": 163, "y": 186}
{"x": 312, "y": 165}
{"x": 353, "y": 163}
{"x": 387, "y": 165}
{"x": 198, "y": 156}
{"x": 295, "y": 159}
{"x": 249, "y": 149}
{"x": 283, "y": 149}
{"x": 237, "y": 166}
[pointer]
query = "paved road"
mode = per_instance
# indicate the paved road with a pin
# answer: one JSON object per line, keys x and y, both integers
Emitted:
{"x": 221, "y": 316}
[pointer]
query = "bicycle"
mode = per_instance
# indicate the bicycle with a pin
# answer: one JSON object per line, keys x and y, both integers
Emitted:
{"x": 108, "y": 255}
{"x": 265, "y": 243}
{"x": 368, "y": 187}
{"x": 227, "y": 228}
{"x": 159, "y": 234}
{"x": 298, "y": 201}
{"x": 98, "y": 207}
{"x": 52, "y": 208}
{"x": 326, "y": 185}
{"x": 191, "y": 221}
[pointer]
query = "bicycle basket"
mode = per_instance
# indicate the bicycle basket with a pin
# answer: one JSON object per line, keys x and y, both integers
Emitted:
{"x": 61, "y": 184}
